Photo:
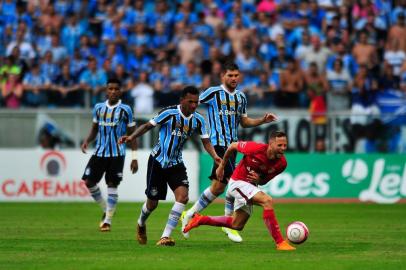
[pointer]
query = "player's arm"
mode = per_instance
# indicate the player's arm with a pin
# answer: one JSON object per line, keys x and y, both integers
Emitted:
{"x": 230, "y": 151}
{"x": 253, "y": 122}
{"x": 92, "y": 135}
{"x": 210, "y": 149}
{"x": 141, "y": 130}
{"x": 134, "y": 147}
{"x": 255, "y": 177}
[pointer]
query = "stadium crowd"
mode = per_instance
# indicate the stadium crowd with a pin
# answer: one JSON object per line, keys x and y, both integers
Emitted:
{"x": 325, "y": 55}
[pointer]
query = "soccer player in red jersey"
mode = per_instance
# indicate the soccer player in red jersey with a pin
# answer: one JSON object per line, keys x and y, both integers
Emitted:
{"x": 260, "y": 164}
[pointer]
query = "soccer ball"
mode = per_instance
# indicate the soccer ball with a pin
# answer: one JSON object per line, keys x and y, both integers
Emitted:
{"x": 297, "y": 232}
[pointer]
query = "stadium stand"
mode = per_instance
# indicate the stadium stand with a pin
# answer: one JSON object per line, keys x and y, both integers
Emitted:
{"x": 59, "y": 53}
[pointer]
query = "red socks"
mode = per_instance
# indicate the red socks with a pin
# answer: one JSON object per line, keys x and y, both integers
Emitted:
{"x": 220, "y": 221}
{"x": 272, "y": 225}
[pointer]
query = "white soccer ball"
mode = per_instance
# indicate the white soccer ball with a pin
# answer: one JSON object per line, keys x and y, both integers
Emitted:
{"x": 297, "y": 232}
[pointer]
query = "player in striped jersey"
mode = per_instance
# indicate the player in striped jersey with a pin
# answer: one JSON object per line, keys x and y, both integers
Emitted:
{"x": 111, "y": 120}
{"x": 226, "y": 110}
{"x": 165, "y": 164}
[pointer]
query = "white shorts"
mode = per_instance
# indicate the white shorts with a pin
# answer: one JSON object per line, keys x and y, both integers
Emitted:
{"x": 242, "y": 192}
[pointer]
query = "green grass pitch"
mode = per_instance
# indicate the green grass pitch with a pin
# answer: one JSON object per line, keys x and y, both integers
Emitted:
{"x": 66, "y": 236}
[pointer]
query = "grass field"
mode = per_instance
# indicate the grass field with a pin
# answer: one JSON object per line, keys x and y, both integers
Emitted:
{"x": 65, "y": 236}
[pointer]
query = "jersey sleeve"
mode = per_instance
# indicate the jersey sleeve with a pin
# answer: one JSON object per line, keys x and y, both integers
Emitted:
{"x": 202, "y": 128}
{"x": 160, "y": 118}
{"x": 207, "y": 96}
{"x": 95, "y": 115}
{"x": 244, "y": 105}
{"x": 247, "y": 148}
{"x": 130, "y": 117}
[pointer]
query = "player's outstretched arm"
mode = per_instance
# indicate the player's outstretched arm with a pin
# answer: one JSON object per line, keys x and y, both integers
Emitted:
{"x": 253, "y": 122}
{"x": 230, "y": 151}
{"x": 141, "y": 130}
{"x": 210, "y": 149}
{"x": 92, "y": 135}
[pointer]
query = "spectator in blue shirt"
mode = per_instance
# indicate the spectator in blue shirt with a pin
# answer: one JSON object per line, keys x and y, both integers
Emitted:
{"x": 48, "y": 68}
{"x": 71, "y": 33}
{"x": 93, "y": 80}
{"x": 138, "y": 60}
{"x": 35, "y": 86}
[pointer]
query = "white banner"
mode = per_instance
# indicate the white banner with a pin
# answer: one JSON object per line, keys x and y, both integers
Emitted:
{"x": 40, "y": 175}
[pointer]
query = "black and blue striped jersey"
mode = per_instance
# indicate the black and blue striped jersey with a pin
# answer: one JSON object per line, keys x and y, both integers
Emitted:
{"x": 224, "y": 112}
{"x": 113, "y": 122}
{"x": 175, "y": 129}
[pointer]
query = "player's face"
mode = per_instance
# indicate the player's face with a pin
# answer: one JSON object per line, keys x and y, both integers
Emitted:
{"x": 113, "y": 93}
{"x": 189, "y": 104}
{"x": 277, "y": 147}
{"x": 231, "y": 78}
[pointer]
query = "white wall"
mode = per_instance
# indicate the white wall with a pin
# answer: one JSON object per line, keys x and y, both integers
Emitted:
{"x": 39, "y": 175}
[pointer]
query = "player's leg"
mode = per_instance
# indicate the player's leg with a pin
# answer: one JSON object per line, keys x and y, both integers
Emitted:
{"x": 241, "y": 214}
{"x": 236, "y": 222}
{"x": 155, "y": 190}
{"x": 178, "y": 182}
{"x": 181, "y": 199}
{"x": 147, "y": 208}
{"x": 270, "y": 220}
{"x": 239, "y": 194}
{"x": 209, "y": 194}
{"x": 92, "y": 176}
{"x": 114, "y": 175}
{"x": 232, "y": 234}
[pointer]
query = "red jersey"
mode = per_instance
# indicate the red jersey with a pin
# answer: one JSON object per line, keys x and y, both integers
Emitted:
{"x": 255, "y": 159}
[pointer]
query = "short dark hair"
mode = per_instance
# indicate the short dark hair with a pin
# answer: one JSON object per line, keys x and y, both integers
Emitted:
{"x": 277, "y": 134}
{"x": 190, "y": 89}
{"x": 114, "y": 80}
{"x": 229, "y": 65}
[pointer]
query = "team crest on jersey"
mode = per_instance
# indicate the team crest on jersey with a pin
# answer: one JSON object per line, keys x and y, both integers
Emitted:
{"x": 271, "y": 170}
{"x": 185, "y": 129}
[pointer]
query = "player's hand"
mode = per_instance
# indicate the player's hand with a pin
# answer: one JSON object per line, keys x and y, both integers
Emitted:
{"x": 254, "y": 177}
{"x": 134, "y": 166}
{"x": 84, "y": 147}
{"x": 269, "y": 117}
{"x": 124, "y": 139}
{"x": 220, "y": 173}
{"x": 218, "y": 160}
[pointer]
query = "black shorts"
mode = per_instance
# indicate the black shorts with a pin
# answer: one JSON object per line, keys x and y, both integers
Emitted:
{"x": 158, "y": 179}
{"x": 97, "y": 166}
{"x": 228, "y": 169}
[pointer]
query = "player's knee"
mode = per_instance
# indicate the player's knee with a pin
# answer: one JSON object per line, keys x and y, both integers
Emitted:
{"x": 112, "y": 185}
{"x": 152, "y": 205}
{"x": 89, "y": 183}
{"x": 218, "y": 189}
{"x": 183, "y": 199}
